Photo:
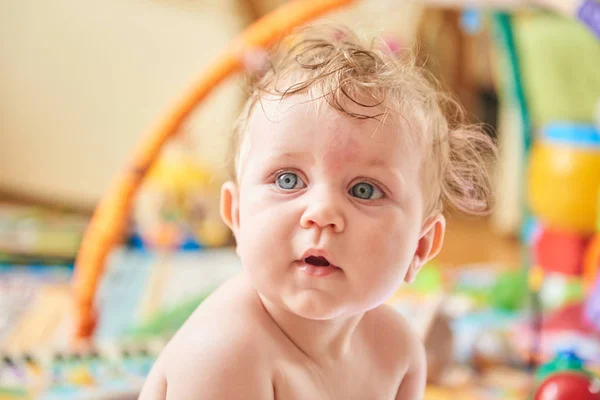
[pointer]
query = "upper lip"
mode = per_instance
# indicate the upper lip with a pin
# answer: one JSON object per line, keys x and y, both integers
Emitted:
{"x": 319, "y": 253}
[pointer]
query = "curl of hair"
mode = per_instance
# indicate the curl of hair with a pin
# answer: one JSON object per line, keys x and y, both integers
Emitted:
{"x": 467, "y": 182}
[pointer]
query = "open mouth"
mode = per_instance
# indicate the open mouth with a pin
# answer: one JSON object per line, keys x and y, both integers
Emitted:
{"x": 317, "y": 261}
{"x": 315, "y": 264}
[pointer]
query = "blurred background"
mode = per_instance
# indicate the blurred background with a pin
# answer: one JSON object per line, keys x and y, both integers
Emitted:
{"x": 511, "y": 303}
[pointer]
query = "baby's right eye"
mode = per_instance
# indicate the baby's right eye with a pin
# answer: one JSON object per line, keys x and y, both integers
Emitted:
{"x": 289, "y": 181}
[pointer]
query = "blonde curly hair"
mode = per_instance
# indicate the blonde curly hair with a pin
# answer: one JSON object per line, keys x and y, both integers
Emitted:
{"x": 333, "y": 67}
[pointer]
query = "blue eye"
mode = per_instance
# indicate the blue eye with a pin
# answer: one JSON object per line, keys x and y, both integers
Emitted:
{"x": 366, "y": 191}
{"x": 289, "y": 181}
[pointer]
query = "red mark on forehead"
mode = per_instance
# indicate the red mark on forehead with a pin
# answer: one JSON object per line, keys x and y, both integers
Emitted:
{"x": 339, "y": 151}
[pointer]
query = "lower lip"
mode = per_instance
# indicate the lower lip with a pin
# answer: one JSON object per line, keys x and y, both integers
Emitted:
{"x": 318, "y": 272}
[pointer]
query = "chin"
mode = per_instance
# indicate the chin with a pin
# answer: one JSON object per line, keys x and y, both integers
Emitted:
{"x": 317, "y": 315}
{"x": 316, "y": 308}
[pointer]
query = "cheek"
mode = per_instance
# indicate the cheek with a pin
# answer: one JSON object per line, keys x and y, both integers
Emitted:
{"x": 381, "y": 259}
{"x": 391, "y": 242}
{"x": 263, "y": 227}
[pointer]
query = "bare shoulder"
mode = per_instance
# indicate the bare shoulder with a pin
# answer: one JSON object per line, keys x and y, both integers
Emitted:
{"x": 406, "y": 347}
{"x": 392, "y": 325}
{"x": 218, "y": 353}
{"x": 395, "y": 336}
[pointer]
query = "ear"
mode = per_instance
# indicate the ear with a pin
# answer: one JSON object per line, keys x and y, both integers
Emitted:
{"x": 230, "y": 209}
{"x": 430, "y": 244}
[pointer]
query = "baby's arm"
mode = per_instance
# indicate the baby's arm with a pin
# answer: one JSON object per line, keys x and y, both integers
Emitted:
{"x": 219, "y": 370}
{"x": 413, "y": 384}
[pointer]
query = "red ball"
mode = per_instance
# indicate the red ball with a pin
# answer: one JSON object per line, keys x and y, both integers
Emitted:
{"x": 568, "y": 385}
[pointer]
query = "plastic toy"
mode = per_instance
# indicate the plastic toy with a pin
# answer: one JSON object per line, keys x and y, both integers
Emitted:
{"x": 560, "y": 252}
{"x": 510, "y": 292}
{"x": 565, "y": 378}
{"x": 558, "y": 290}
{"x": 568, "y": 385}
{"x": 565, "y": 328}
{"x": 112, "y": 372}
{"x": 178, "y": 203}
{"x": 564, "y": 175}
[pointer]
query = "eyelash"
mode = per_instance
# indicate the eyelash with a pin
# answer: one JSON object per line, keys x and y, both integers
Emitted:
{"x": 377, "y": 185}
{"x": 273, "y": 179}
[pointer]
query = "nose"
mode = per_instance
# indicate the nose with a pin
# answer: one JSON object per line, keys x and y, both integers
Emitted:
{"x": 324, "y": 210}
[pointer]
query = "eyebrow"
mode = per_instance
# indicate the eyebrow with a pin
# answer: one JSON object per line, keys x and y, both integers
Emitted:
{"x": 375, "y": 162}
{"x": 290, "y": 155}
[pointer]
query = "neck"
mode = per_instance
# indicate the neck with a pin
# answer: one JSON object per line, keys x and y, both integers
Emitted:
{"x": 322, "y": 341}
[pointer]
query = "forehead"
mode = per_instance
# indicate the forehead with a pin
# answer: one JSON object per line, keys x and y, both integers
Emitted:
{"x": 298, "y": 122}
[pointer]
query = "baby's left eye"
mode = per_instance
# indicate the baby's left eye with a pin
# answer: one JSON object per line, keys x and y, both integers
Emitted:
{"x": 365, "y": 191}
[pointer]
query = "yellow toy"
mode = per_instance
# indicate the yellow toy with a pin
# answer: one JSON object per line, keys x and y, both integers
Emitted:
{"x": 178, "y": 203}
{"x": 564, "y": 177}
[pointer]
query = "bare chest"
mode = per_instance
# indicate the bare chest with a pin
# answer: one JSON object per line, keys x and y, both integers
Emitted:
{"x": 356, "y": 380}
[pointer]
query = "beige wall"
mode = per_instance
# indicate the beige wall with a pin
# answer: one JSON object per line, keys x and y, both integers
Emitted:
{"x": 387, "y": 18}
{"x": 81, "y": 81}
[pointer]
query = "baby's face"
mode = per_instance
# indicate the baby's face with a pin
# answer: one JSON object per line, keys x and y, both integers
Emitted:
{"x": 329, "y": 209}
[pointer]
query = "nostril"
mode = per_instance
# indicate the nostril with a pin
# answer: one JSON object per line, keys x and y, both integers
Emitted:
{"x": 317, "y": 261}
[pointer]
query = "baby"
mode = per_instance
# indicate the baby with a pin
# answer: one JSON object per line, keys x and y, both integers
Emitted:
{"x": 343, "y": 160}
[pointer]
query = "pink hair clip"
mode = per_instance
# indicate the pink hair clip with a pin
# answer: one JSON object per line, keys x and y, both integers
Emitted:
{"x": 339, "y": 35}
{"x": 256, "y": 61}
{"x": 392, "y": 45}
